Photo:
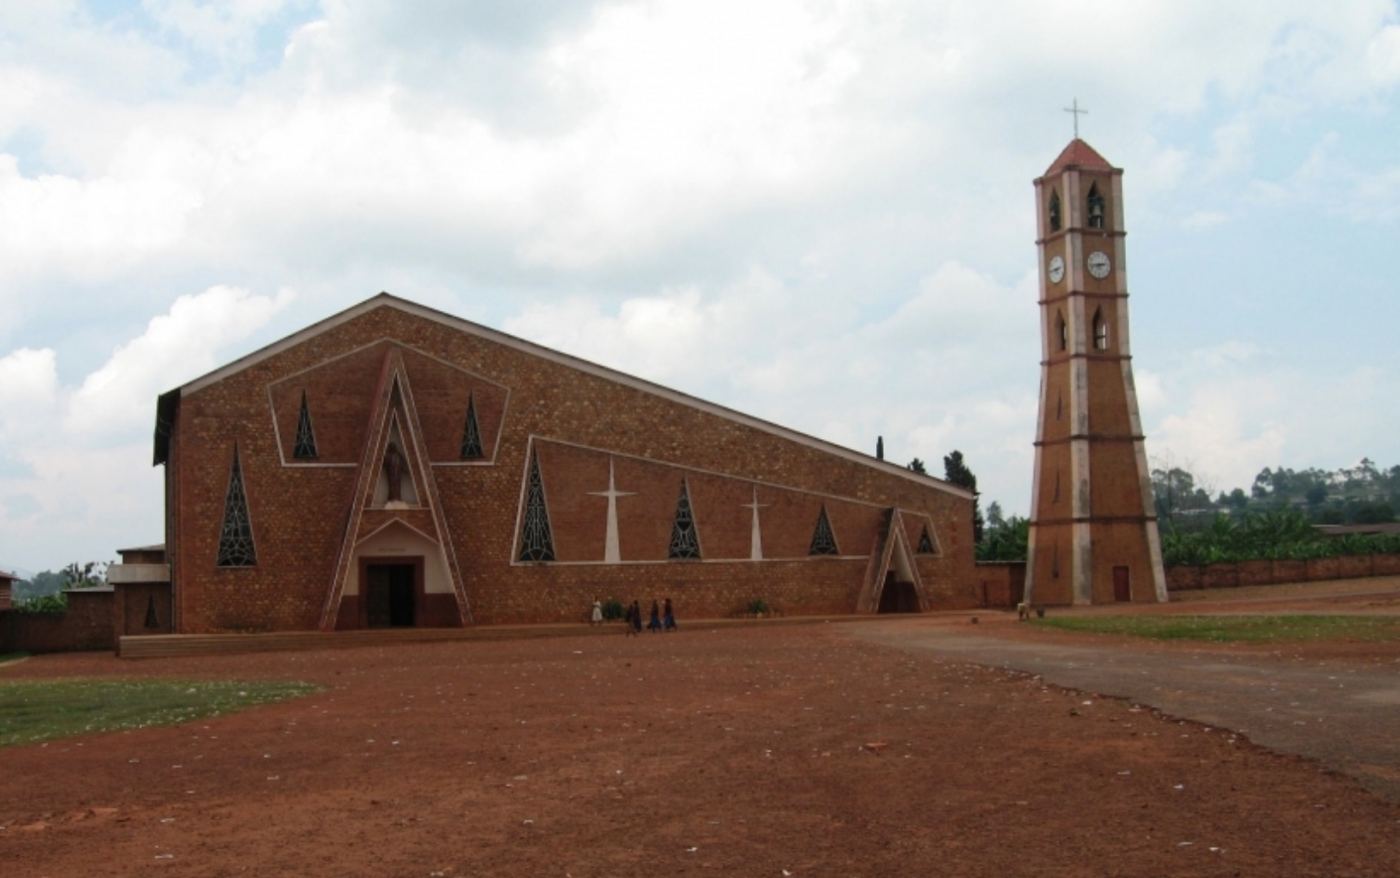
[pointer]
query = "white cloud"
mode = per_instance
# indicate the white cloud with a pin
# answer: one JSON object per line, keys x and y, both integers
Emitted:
{"x": 59, "y": 226}
{"x": 1383, "y": 56}
{"x": 1204, "y": 219}
{"x": 75, "y": 475}
{"x": 28, "y": 392}
{"x": 815, "y": 212}
{"x": 176, "y": 347}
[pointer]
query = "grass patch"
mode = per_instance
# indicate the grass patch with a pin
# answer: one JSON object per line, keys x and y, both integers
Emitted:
{"x": 7, "y": 657}
{"x": 33, "y": 711}
{"x": 1236, "y": 629}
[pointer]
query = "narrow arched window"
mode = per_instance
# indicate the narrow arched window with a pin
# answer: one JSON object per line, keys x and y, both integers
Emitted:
{"x": 1054, "y": 211}
{"x": 1100, "y": 331}
{"x": 1095, "y": 208}
{"x": 1061, "y": 330}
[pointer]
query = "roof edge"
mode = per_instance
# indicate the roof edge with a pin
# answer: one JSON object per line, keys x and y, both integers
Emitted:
{"x": 385, "y": 299}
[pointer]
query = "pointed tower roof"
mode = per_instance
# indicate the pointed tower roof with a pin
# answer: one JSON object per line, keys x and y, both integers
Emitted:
{"x": 1079, "y": 154}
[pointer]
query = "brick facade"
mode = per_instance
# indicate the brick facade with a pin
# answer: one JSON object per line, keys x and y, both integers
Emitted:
{"x": 1093, "y": 530}
{"x": 87, "y": 624}
{"x": 389, "y": 370}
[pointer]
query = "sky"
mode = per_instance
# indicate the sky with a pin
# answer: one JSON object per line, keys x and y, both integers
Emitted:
{"x": 818, "y": 213}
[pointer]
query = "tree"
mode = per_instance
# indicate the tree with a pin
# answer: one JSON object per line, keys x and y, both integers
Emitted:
{"x": 957, "y": 473}
{"x": 87, "y": 575}
{"x": 995, "y": 517}
{"x": 918, "y": 466}
{"x": 42, "y": 584}
{"x": 1006, "y": 540}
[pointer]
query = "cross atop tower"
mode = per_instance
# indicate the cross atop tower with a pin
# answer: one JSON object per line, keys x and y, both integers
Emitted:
{"x": 1074, "y": 109}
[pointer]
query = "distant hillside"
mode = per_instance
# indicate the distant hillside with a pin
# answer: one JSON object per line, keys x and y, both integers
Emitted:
{"x": 17, "y": 571}
{"x": 36, "y": 585}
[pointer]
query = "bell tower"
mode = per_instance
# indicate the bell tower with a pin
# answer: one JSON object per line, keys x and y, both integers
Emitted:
{"x": 1093, "y": 529}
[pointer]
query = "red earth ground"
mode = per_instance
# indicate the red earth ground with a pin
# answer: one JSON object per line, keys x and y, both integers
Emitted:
{"x": 795, "y": 750}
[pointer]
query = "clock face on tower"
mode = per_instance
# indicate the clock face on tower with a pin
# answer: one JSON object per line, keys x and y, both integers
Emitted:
{"x": 1057, "y": 269}
{"x": 1098, "y": 264}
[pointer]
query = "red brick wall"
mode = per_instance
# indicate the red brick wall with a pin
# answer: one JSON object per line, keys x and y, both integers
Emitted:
{"x": 1230, "y": 574}
{"x": 299, "y": 513}
{"x": 132, "y": 602}
{"x": 86, "y": 625}
{"x": 1002, "y": 582}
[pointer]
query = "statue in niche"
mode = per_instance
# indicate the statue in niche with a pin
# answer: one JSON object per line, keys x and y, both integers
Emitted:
{"x": 393, "y": 472}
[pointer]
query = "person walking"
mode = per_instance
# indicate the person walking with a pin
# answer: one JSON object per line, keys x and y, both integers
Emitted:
{"x": 597, "y": 617}
{"x": 627, "y": 621}
{"x": 670, "y": 617}
{"x": 655, "y": 623}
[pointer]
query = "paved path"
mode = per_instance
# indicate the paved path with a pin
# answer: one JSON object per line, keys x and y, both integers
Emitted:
{"x": 1344, "y": 715}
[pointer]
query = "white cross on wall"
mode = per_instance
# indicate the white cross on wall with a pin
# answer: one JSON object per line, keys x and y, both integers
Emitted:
{"x": 612, "y": 548}
{"x": 756, "y": 538}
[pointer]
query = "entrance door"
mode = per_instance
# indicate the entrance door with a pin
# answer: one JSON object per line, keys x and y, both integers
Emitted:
{"x": 1121, "y": 590}
{"x": 898, "y": 597}
{"x": 389, "y": 595}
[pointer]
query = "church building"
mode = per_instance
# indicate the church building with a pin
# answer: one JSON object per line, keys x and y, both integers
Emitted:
{"x": 393, "y": 465}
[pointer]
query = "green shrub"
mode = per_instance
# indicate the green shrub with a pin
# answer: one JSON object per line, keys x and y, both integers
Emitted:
{"x": 49, "y": 604}
{"x": 758, "y": 606}
{"x": 1276, "y": 534}
{"x": 612, "y": 609}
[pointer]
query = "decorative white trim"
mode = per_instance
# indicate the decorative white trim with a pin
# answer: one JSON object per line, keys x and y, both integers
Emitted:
{"x": 397, "y": 522}
{"x": 709, "y": 472}
{"x": 277, "y": 430}
{"x": 674, "y": 562}
{"x": 456, "y": 323}
{"x": 530, "y": 448}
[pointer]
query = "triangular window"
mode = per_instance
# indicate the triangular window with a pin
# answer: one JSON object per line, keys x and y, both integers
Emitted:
{"x": 236, "y": 534}
{"x": 1054, "y": 211}
{"x": 823, "y": 540}
{"x": 152, "y": 621}
{"x": 305, "y": 447}
{"x": 536, "y": 539}
{"x": 926, "y": 546}
{"x": 685, "y": 540}
{"x": 471, "y": 434}
{"x": 1095, "y": 208}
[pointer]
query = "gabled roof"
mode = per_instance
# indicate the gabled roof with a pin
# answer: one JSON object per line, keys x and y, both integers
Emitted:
{"x": 1079, "y": 154}
{"x": 168, "y": 402}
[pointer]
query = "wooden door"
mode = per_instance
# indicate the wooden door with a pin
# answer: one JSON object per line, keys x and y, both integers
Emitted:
{"x": 1122, "y": 591}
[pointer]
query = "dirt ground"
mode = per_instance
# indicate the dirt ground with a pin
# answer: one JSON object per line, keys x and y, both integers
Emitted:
{"x": 797, "y": 750}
